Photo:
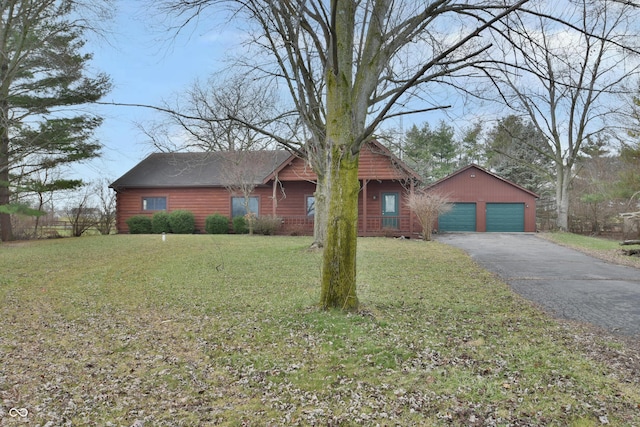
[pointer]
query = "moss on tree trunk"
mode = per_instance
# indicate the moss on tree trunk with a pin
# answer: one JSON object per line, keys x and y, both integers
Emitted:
{"x": 339, "y": 260}
{"x": 321, "y": 212}
{"x": 343, "y": 125}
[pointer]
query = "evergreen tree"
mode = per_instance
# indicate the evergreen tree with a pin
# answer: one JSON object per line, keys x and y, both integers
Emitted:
{"x": 43, "y": 73}
{"x": 514, "y": 150}
{"x": 472, "y": 150}
{"x": 416, "y": 149}
{"x": 431, "y": 152}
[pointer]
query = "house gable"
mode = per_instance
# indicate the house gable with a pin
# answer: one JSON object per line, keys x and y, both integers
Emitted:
{"x": 473, "y": 182}
{"x": 376, "y": 163}
{"x": 294, "y": 169}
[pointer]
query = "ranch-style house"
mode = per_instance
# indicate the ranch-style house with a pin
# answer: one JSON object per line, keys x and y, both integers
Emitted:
{"x": 283, "y": 186}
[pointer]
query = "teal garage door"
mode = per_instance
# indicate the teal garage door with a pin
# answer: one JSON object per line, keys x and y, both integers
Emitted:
{"x": 462, "y": 217}
{"x": 505, "y": 216}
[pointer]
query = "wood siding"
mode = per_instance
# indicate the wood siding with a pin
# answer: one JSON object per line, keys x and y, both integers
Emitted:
{"x": 284, "y": 194}
{"x": 297, "y": 170}
{"x": 290, "y": 205}
{"x": 201, "y": 201}
{"x": 374, "y": 164}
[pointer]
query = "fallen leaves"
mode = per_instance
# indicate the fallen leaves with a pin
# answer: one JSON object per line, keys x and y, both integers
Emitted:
{"x": 160, "y": 353}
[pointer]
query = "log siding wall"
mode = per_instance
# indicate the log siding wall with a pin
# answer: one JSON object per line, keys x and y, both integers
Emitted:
{"x": 290, "y": 205}
{"x": 284, "y": 195}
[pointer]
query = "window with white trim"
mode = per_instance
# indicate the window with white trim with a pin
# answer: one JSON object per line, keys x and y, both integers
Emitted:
{"x": 238, "y": 207}
{"x": 154, "y": 203}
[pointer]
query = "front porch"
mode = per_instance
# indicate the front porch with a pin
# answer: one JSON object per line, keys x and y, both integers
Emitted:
{"x": 368, "y": 226}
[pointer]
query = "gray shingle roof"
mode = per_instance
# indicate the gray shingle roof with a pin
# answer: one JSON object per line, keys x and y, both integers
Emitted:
{"x": 211, "y": 169}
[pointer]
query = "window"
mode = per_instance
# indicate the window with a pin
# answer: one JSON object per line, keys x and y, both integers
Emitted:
{"x": 311, "y": 205}
{"x": 237, "y": 206}
{"x": 154, "y": 203}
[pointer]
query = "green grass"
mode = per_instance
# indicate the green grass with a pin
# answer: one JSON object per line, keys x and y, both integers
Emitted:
{"x": 606, "y": 249}
{"x": 586, "y": 242}
{"x": 208, "y": 330}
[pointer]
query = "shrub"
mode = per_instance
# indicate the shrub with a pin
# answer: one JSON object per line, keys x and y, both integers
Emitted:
{"x": 182, "y": 222}
{"x": 139, "y": 224}
{"x": 216, "y": 224}
{"x": 267, "y": 225}
{"x": 160, "y": 223}
{"x": 427, "y": 206}
{"x": 240, "y": 225}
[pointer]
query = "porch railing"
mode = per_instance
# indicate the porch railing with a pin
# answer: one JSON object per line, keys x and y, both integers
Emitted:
{"x": 375, "y": 226}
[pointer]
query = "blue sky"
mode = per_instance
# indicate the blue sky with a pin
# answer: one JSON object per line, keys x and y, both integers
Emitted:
{"x": 145, "y": 67}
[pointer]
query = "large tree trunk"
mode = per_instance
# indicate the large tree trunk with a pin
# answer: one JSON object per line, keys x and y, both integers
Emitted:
{"x": 339, "y": 260}
{"x": 338, "y": 288}
{"x": 6, "y": 233}
{"x": 5, "y": 193}
{"x": 563, "y": 178}
{"x": 321, "y": 214}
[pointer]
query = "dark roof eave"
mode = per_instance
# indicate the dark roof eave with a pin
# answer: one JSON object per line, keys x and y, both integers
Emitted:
{"x": 156, "y": 187}
{"x": 116, "y": 187}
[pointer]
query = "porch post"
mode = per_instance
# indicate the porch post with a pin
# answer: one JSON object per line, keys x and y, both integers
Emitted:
{"x": 364, "y": 206}
{"x": 411, "y": 216}
{"x": 274, "y": 200}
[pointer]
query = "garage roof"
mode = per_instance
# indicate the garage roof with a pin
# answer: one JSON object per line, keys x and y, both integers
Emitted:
{"x": 474, "y": 166}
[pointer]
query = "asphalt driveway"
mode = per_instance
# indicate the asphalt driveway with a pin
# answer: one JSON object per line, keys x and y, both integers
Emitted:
{"x": 567, "y": 283}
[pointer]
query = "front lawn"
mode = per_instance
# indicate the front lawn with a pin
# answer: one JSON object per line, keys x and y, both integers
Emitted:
{"x": 605, "y": 249}
{"x": 224, "y": 330}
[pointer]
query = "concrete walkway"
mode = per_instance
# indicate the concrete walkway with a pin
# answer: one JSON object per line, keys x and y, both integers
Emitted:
{"x": 566, "y": 282}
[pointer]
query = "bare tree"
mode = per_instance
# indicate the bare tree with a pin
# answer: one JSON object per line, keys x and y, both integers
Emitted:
{"x": 349, "y": 66}
{"x": 565, "y": 78}
{"x": 240, "y": 169}
{"x": 213, "y": 116}
{"x": 107, "y": 207}
{"x": 233, "y": 119}
{"x": 44, "y": 188}
{"x": 427, "y": 206}
{"x": 631, "y": 220}
{"x": 595, "y": 206}
{"x": 81, "y": 214}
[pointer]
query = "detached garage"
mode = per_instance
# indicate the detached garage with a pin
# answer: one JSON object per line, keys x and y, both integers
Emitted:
{"x": 483, "y": 201}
